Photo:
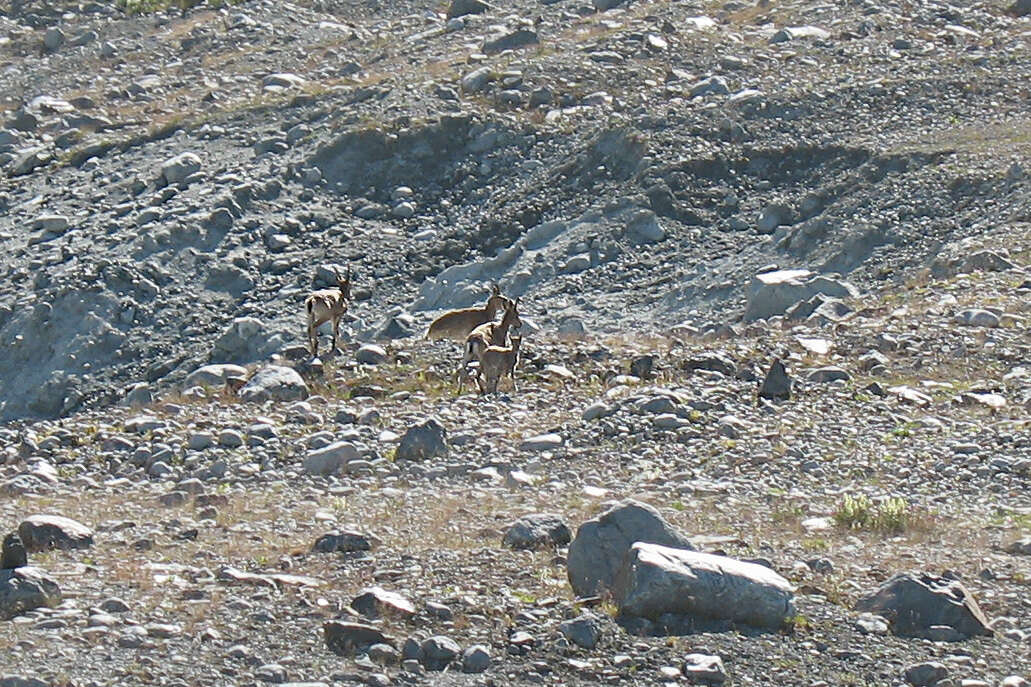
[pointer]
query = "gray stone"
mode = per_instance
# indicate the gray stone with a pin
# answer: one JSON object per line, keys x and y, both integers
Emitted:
{"x": 374, "y": 602}
{"x": 776, "y": 384}
{"x": 140, "y": 395}
{"x": 584, "y": 631}
{"x": 46, "y": 532}
{"x": 24, "y": 589}
{"x": 654, "y": 580}
{"x": 977, "y": 317}
{"x": 643, "y": 227}
{"x": 772, "y": 293}
{"x": 275, "y": 383}
{"x": 871, "y": 624}
{"x": 346, "y": 639}
{"x": 27, "y": 161}
{"x": 371, "y": 354}
{"x": 346, "y": 541}
{"x": 439, "y": 651}
{"x": 603, "y": 5}
{"x": 925, "y": 674}
{"x": 282, "y": 80}
{"x": 542, "y": 442}
{"x": 330, "y": 460}
{"x": 476, "y": 80}
{"x": 913, "y": 603}
{"x": 1020, "y": 547}
{"x": 597, "y": 551}
{"x": 475, "y": 659}
{"x": 213, "y": 375}
{"x": 987, "y": 261}
{"x": 513, "y": 40}
{"x": 19, "y": 681}
{"x": 460, "y": 8}
{"x": 538, "y": 530}
{"x": 714, "y": 85}
{"x": 704, "y": 669}
{"x": 177, "y": 169}
{"x": 244, "y": 340}
{"x": 53, "y": 39}
{"x": 424, "y": 440}
{"x": 830, "y": 373}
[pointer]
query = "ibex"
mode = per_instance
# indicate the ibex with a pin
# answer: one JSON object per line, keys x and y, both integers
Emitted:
{"x": 486, "y": 335}
{"x": 496, "y": 362}
{"x": 457, "y": 324}
{"x": 325, "y": 305}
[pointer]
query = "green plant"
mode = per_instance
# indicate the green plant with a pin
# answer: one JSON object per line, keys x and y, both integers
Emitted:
{"x": 860, "y": 513}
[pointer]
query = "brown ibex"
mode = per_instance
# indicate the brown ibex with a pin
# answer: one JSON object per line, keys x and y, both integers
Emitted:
{"x": 456, "y": 324}
{"x": 489, "y": 334}
{"x": 496, "y": 362}
{"x": 325, "y": 305}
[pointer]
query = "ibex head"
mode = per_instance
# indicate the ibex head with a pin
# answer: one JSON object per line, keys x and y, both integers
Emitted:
{"x": 344, "y": 283}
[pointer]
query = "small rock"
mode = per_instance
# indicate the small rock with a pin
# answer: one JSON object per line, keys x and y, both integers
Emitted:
{"x": 275, "y": 383}
{"x": 438, "y": 652}
{"x": 177, "y": 169}
{"x": 424, "y": 440}
{"x": 475, "y": 659}
{"x": 976, "y": 317}
{"x": 13, "y": 554}
{"x": 371, "y": 354}
{"x": 828, "y": 374}
{"x": 345, "y": 541}
{"x": 346, "y": 639}
{"x": 914, "y": 604}
{"x": 584, "y": 631}
{"x": 924, "y": 674}
{"x": 376, "y": 601}
{"x": 330, "y": 460}
{"x": 537, "y": 531}
{"x": 24, "y": 589}
{"x": 541, "y": 442}
{"x": 704, "y": 669}
{"x": 776, "y": 384}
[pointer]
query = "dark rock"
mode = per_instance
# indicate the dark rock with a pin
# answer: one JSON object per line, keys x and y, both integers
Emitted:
{"x": 439, "y": 651}
{"x": 776, "y": 384}
{"x": 346, "y": 638}
{"x": 925, "y": 674}
{"x": 913, "y": 604}
{"x": 24, "y": 589}
{"x": 14, "y": 555}
{"x": 460, "y": 8}
{"x": 343, "y": 541}
{"x": 46, "y": 532}
{"x": 537, "y": 531}
{"x": 713, "y": 362}
{"x": 584, "y": 631}
{"x": 475, "y": 659}
{"x": 601, "y": 543}
{"x": 427, "y": 439}
{"x": 641, "y": 366}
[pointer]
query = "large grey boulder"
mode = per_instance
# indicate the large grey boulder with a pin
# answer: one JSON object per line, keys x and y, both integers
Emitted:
{"x": 23, "y": 589}
{"x": 46, "y": 532}
{"x": 655, "y": 580}
{"x": 915, "y": 603}
{"x": 772, "y": 293}
{"x": 460, "y": 8}
{"x": 597, "y": 551}
{"x": 275, "y": 383}
{"x": 424, "y": 440}
{"x": 330, "y": 460}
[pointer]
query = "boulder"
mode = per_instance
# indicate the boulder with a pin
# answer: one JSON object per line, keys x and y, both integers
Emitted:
{"x": 776, "y": 384}
{"x": 538, "y": 530}
{"x": 424, "y": 440}
{"x": 330, "y": 460}
{"x": 655, "y": 580}
{"x": 439, "y": 651}
{"x": 245, "y": 339}
{"x": 13, "y": 554}
{"x": 460, "y": 8}
{"x": 475, "y": 659}
{"x": 213, "y": 375}
{"x": 584, "y": 631}
{"x": 643, "y": 227}
{"x": 23, "y": 589}
{"x": 772, "y": 293}
{"x": 347, "y": 639}
{"x": 704, "y": 669}
{"x": 175, "y": 170}
{"x": 926, "y": 673}
{"x": 915, "y": 603}
{"x": 46, "y": 532}
{"x": 275, "y": 383}
{"x": 376, "y": 601}
{"x": 597, "y": 551}
{"x": 346, "y": 541}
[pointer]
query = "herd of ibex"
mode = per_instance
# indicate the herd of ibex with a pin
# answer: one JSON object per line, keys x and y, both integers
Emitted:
{"x": 484, "y": 341}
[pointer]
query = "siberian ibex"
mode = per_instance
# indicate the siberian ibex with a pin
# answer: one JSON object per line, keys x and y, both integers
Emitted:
{"x": 496, "y": 362}
{"x": 456, "y": 324}
{"x": 325, "y": 305}
{"x": 489, "y": 334}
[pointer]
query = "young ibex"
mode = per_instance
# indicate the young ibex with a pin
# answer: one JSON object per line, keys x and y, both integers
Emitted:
{"x": 457, "y": 324}
{"x": 496, "y": 362}
{"x": 486, "y": 335}
{"x": 325, "y": 305}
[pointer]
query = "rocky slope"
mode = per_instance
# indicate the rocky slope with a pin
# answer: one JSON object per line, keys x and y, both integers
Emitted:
{"x": 679, "y": 192}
